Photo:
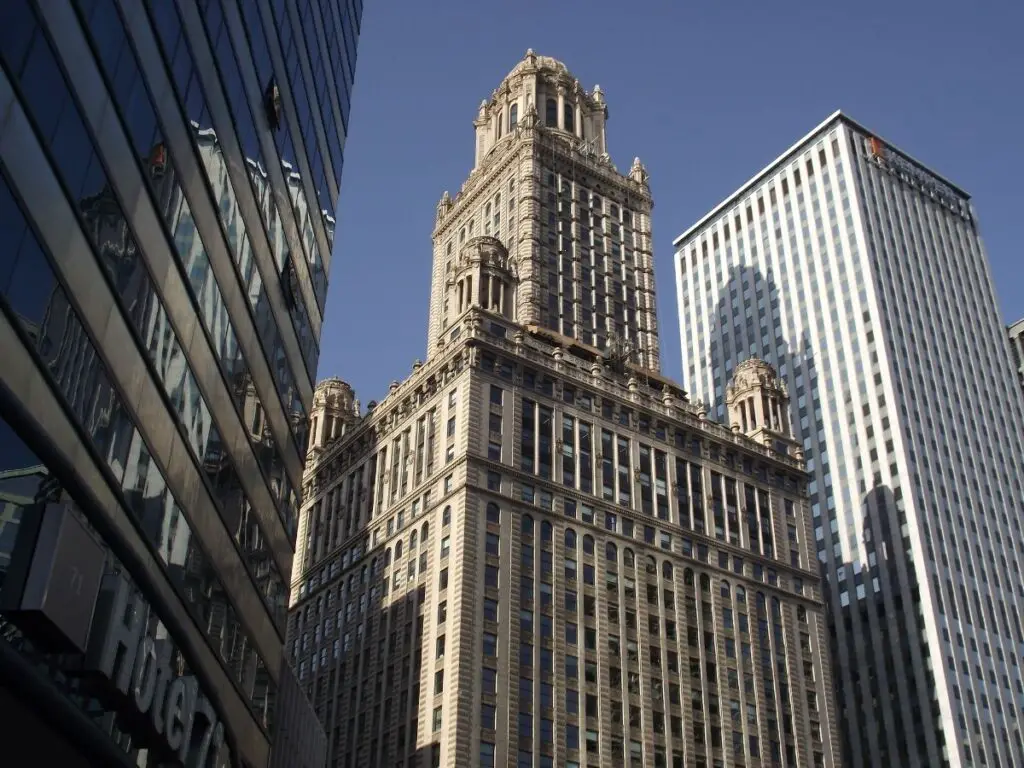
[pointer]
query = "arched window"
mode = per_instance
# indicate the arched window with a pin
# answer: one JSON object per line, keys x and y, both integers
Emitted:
{"x": 551, "y": 113}
{"x": 373, "y": 567}
{"x": 493, "y": 513}
{"x": 568, "y": 119}
{"x": 398, "y": 549}
{"x": 570, "y": 538}
{"x": 651, "y": 565}
{"x": 725, "y": 588}
{"x": 527, "y": 525}
{"x": 588, "y": 544}
{"x": 546, "y": 531}
{"x": 424, "y": 532}
{"x": 446, "y": 515}
{"x": 801, "y": 614}
{"x": 513, "y": 116}
{"x": 462, "y": 235}
{"x": 741, "y": 594}
{"x": 413, "y": 539}
{"x": 611, "y": 552}
{"x": 628, "y": 558}
{"x": 666, "y": 570}
{"x": 387, "y": 558}
{"x": 364, "y": 575}
{"x": 688, "y": 577}
{"x": 705, "y": 583}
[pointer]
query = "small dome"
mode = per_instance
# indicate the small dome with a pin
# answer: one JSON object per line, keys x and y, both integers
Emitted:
{"x": 532, "y": 62}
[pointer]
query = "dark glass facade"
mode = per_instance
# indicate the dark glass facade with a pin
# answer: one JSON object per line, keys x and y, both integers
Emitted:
{"x": 168, "y": 177}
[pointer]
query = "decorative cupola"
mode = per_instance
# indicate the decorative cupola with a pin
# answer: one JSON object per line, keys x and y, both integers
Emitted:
{"x": 758, "y": 406}
{"x": 484, "y": 277}
{"x": 541, "y": 91}
{"x": 335, "y": 411}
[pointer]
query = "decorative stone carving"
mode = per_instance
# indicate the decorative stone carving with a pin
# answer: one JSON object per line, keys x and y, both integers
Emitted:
{"x": 617, "y": 352}
{"x": 443, "y": 206}
{"x": 638, "y": 173}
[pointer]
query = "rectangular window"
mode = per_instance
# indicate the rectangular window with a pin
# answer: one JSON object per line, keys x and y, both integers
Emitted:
{"x": 493, "y": 481}
{"x": 486, "y": 754}
{"x": 527, "y": 442}
{"x": 489, "y": 681}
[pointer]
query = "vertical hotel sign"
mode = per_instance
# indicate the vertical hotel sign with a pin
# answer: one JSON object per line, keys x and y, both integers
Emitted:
{"x": 895, "y": 164}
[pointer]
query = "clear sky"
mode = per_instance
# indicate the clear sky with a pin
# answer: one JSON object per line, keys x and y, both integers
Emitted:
{"x": 706, "y": 93}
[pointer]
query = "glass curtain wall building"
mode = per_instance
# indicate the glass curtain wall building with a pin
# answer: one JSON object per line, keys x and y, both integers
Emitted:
{"x": 860, "y": 275}
{"x": 169, "y": 178}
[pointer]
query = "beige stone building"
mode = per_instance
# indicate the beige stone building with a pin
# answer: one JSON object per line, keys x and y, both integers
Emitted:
{"x": 535, "y": 551}
{"x": 1016, "y": 331}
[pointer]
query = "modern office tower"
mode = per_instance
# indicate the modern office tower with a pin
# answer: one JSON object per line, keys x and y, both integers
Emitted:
{"x": 534, "y": 550}
{"x": 860, "y": 276}
{"x": 1017, "y": 348}
{"x": 168, "y": 178}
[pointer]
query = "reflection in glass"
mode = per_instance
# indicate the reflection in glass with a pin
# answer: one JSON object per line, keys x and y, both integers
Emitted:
{"x": 69, "y": 357}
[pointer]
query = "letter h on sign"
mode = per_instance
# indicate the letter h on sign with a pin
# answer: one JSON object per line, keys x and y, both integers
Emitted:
{"x": 117, "y": 634}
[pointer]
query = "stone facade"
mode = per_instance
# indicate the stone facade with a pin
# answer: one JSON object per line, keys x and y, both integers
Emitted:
{"x": 1016, "y": 332}
{"x": 535, "y": 551}
{"x": 576, "y": 231}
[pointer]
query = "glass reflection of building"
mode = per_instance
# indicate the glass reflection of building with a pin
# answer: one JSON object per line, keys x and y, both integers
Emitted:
{"x": 162, "y": 282}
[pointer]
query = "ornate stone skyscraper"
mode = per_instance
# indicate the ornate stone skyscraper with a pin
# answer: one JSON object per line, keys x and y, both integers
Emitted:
{"x": 535, "y": 551}
{"x": 577, "y": 232}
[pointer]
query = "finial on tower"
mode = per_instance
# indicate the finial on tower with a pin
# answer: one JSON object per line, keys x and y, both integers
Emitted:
{"x": 444, "y": 205}
{"x": 638, "y": 173}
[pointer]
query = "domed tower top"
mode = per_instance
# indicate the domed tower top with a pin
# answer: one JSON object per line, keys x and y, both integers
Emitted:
{"x": 540, "y": 90}
{"x": 335, "y": 411}
{"x": 758, "y": 405}
{"x": 484, "y": 276}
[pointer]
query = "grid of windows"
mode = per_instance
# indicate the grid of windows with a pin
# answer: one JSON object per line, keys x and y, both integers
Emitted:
{"x": 617, "y": 621}
{"x": 833, "y": 265}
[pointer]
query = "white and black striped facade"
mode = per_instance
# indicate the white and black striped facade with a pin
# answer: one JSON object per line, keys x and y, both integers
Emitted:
{"x": 860, "y": 275}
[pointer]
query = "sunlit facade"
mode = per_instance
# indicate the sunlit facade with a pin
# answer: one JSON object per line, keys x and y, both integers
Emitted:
{"x": 535, "y": 551}
{"x": 860, "y": 275}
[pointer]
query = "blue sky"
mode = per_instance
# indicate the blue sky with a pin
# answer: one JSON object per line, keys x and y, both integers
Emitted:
{"x": 705, "y": 93}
